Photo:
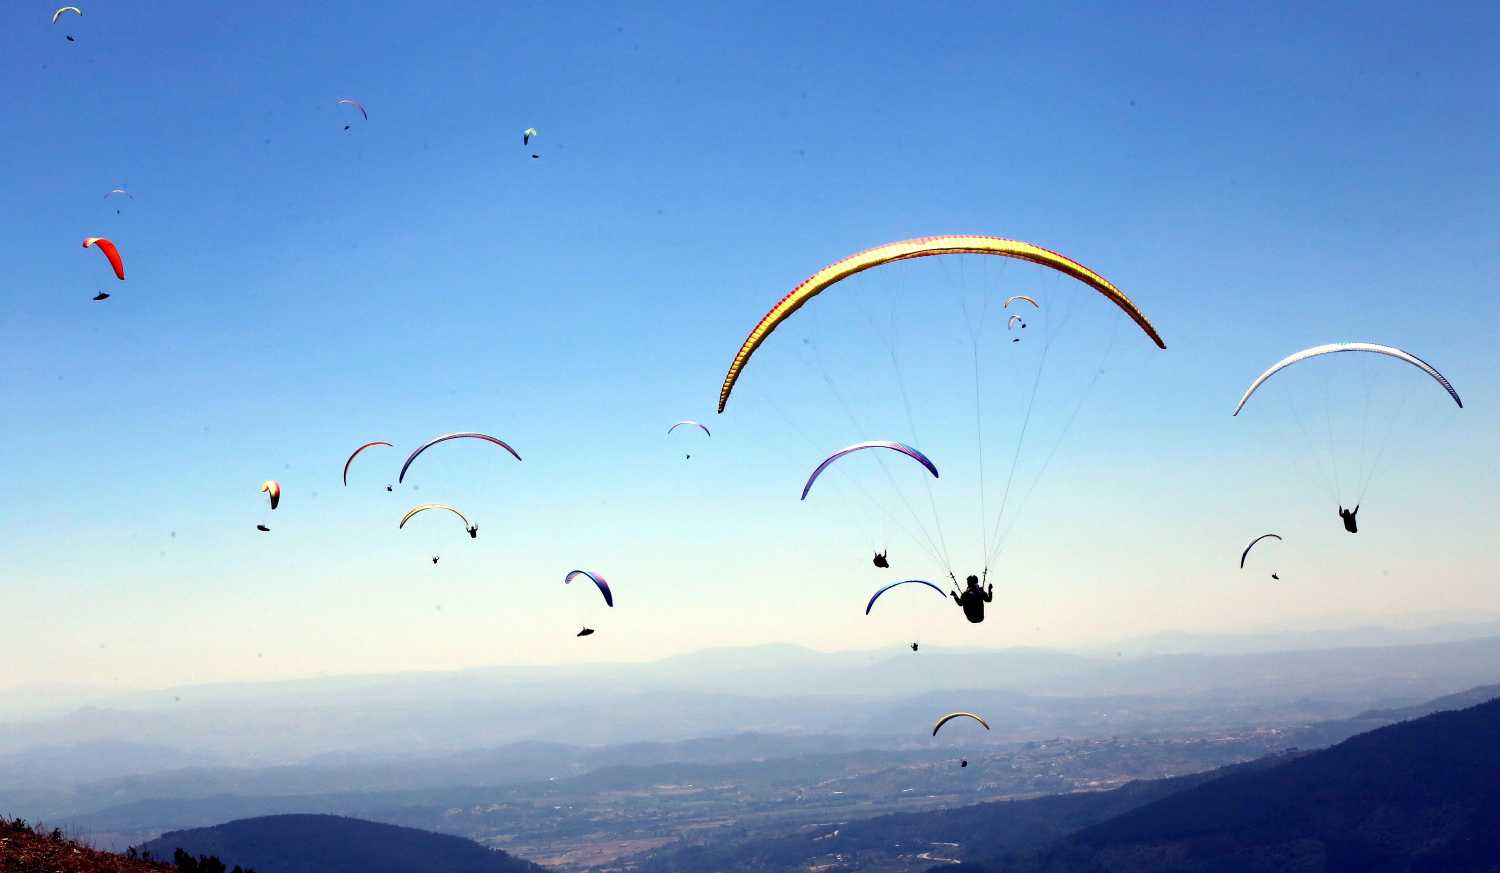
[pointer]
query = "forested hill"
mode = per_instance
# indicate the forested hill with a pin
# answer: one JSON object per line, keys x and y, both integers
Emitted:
{"x": 334, "y": 844}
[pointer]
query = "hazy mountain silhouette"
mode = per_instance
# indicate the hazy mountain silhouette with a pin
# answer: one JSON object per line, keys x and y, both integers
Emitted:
{"x": 332, "y": 844}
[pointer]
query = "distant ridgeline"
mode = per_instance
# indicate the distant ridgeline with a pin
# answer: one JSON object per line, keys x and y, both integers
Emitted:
{"x": 334, "y": 844}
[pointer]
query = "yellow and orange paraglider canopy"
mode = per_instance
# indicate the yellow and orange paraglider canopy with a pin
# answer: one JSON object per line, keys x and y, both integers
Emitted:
{"x": 923, "y": 247}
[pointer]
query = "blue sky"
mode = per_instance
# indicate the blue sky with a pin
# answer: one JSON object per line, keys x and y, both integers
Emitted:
{"x": 1257, "y": 179}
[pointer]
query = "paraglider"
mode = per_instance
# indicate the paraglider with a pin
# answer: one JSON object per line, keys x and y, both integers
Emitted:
{"x": 527, "y": 134}
{"x": 472, "y": 529}
{"x": 609, "y": 598}
{"x": 355, "y": 454}
{"x": 880, "y": 560}
{"x": 698, "y": 424}
{"x": 59, "y": 13}
{"x": 872, "y": 444}
{"x": 114, "y": 191}
{"x": 1347, "y": 516}
{"x": 1246, "y": 552}
{"x": 919, "y": 248}
{"x": 262, "y": 528}
{"x": 273, "y": 488}
{"x": 356, "y": 104}
{"x": 973, "y": 599}
{"x": 1014, "y": 297}
{"x": 102, "y": 295}
{"x": 586, "y": 632}
{"x": 876, "y": 596}
{"x": 963, "y": 762}
{"x": 1010, "y": 325}
{"x": 913, "y": 647}
{"x": 1333, "y": 348}
{"x": 110, "y": 252}
{"x": 453, "y": 436}
{"x": 434, "y": 559}
{"x": 952, "y": 715}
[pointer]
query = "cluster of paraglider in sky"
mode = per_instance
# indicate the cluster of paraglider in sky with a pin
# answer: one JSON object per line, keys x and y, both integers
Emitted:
{"x": 272, "y": 489}
{"x": 971, "y": 595}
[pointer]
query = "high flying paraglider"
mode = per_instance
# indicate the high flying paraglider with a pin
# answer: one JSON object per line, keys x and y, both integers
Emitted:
{"x": 471, "y": 528}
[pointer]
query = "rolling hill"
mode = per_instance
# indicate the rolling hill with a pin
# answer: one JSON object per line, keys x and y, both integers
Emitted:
{"x": 333, "y": 844}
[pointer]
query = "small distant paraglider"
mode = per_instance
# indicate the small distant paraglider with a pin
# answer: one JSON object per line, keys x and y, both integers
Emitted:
{"x": 690, "y": 423}
{"x": 1011, "y": 323}
{"x": 357, "y": 105}
{"x": 1246, "y": 553}
{"x": 62, "y": 10}
{"x": 527, "y": 134}
{"x": 586, "y": 632}
{"x": 119, "y": 191}
{"x": 102, "y": 295}
{"x": 262, "y": 528}
{"x": 434, "y": 559}
{"x": 880, "y": 560}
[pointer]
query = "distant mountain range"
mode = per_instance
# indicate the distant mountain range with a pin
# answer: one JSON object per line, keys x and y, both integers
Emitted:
{"x": 776, "y": 690}
{"x": 332, "y": 844}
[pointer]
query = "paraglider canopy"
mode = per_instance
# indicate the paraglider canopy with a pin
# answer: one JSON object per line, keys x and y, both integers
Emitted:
{"x": 527, "y": 135}
{"x": 691, "y": 423}
{"x": 1333, "y": 348}
{"x": 273, "y": 488}
{"x": 957, "y": 244}
{"x": 356, "y": 104}
{"x": 952, "y": 715}
{"x": 355, "y": 454}
{"x": 876, "y": 596}
{"x": 609, "y": 598}
{"x": 1246, "y": 552}
{"x": 110, "y": 252}
{"x": 872, "y": 444}
{"x": 59, "y": 13}
{"x": 473, "y": 531}
{"x": 453, "y": 436}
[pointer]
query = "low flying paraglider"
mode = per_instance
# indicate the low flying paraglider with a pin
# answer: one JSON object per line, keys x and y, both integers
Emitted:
{"x": 110, "y": 252}
{"x": 355, "y": 454}
{"x": 453, "y": 436}
{"x": 921, "y": 248}
{"x": 273, "y": 488}
{"x": 952, "y": 715}
{"x": 871, "y": 444}
{"x": 415, "y": 510}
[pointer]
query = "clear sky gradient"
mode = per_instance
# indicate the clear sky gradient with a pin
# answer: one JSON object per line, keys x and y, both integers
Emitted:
{"x": 1258, "y": 179}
